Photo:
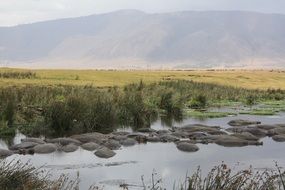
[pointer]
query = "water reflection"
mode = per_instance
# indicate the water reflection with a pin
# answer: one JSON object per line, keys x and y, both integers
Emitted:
{"x": 169, "y": 120}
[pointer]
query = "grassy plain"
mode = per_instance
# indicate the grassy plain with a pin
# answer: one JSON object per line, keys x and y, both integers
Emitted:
{"x": 251, "y": 79}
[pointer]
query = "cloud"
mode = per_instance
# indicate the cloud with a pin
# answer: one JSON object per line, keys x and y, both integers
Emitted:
{"x": 15, "y": 12}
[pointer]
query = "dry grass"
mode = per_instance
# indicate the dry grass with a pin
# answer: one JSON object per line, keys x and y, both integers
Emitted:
{"x": 20, "y": 176}
{"x": 221, "y": 177}
{"x": 252, "y": 79}
{"x": 15, "y": 175}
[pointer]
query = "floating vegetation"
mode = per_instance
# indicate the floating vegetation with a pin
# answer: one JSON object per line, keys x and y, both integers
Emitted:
{"x": 207, "y": 114}
{"x": 260, "y": 112}
{"x": 226, "y": 103}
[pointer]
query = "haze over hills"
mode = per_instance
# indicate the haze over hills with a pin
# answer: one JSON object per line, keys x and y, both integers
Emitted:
{"x": 134, "y": 39}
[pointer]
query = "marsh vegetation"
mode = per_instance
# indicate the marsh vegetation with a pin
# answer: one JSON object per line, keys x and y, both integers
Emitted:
{"x": 65, "y": 110}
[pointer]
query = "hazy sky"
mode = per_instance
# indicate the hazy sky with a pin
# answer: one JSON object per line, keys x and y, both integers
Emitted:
{"x": 13, "y": 12}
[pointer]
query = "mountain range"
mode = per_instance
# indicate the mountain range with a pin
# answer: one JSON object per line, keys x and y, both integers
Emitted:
{"x": 131, "y": 39}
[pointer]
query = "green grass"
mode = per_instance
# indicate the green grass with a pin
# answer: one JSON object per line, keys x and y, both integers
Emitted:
{"x": 274, "y": 104}
{"x": 225, "y": 103}
{"x": 268, "y": 107}
{"x": 7, "y": 132}
{"x": 207, "y": 114}
{"x": 260, "y": 111}
{"x": 102, "y": 78}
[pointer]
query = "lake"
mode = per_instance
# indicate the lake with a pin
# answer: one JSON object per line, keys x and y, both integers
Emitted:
{"x": 170, "y": 164}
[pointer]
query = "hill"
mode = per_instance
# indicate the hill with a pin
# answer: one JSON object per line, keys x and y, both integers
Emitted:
{"x": 134, "y": 39}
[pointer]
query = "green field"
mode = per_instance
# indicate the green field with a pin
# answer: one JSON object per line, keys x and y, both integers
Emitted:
{"x": 252, "y": 79}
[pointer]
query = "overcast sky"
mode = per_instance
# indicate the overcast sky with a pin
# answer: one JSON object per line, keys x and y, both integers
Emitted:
{"x": 13, "y": 12}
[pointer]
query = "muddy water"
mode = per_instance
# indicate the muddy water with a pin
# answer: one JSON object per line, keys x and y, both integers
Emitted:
{"x": 130, "y": 163}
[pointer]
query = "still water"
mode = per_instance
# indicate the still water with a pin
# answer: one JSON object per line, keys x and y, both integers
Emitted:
{"x": 170, "y": 164}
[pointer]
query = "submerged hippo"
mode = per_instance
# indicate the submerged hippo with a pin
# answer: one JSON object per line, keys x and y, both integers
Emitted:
{"x": 105, "y": 152}
{"x": 5, "y": 153}
{"x": 91, "y": 137}
{"x": 112, "y": 144}
{"x": 279, "y": 138}
{"x": 232, "y": 141}
{"x": 64, "y": 141}
{"x": 23, "y": 145}
{"x": 91, "y": 146}
{"x": 128, "y": 142}
{"x": 34, "y": 140}
{"x": 242, "y": 122}
{"x": 69, "y": 148}
{"x": 45, "y": 148}
{"x": 187, "y": 147}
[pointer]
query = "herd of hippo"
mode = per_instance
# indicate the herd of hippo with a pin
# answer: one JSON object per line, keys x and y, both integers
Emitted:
{"x": 241, "y": 133}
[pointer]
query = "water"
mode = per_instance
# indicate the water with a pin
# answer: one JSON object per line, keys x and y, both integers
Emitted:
{"x": 130, "y": 163}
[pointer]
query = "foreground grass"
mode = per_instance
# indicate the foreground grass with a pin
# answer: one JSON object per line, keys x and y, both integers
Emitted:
{"x": 19, "y": 176}
{"x": 23, "y": 176}
{"x": 237, "y": 78}
{"x": 223, "y": 177}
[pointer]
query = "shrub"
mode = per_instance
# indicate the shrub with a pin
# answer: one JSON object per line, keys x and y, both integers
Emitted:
{"x": 9, "y": 111}
{"x": 100, "y": 113}
{"x": 199, "y": 101}
{"x": 250, "y": 100}
{"x": 132, "y": 110}
{"x": 166, "y": 101}
{"x": 75, "y": 107}
{"x": 7, "y": 132}
{"x": 58, "y": 117}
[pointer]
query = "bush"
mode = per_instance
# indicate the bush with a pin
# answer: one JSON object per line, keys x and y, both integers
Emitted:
{"x": 132, "y": 110}
{"x": 250, "y": 100}
{"x": 100, "y": 114}
{"x": 9, "y": 111}
{"x": 198, "y": 102}
{"x": 7, "y": 132}
{"x": 58, "y": 117}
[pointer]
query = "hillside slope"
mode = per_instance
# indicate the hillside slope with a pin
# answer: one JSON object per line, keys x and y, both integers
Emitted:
{"x": 133, "y": 39}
